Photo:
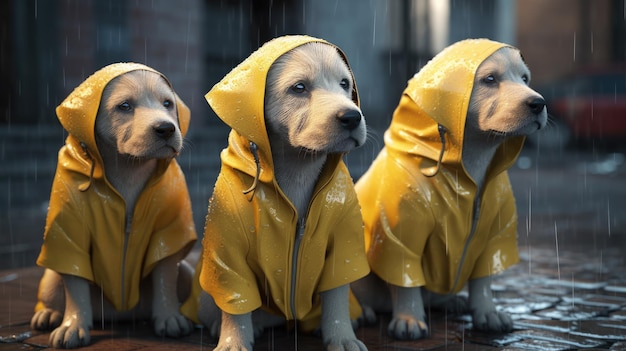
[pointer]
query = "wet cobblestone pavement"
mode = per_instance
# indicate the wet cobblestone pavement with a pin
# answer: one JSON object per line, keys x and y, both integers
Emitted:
{"x": 577, "y": 303}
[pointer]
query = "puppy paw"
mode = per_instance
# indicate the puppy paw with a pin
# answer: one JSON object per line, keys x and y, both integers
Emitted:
{"x": 215, "y": 328}
{"x": 173, "y": 325}
{"x": 492, "y": 321}
{"x": 232, "y": 342}
{"x": 346, "y": 345}
{"x": 407, "y": 328}
{"x": 46, "y": 319}
{"x": 233, "y": 346}
{"x": 71, "y": 334}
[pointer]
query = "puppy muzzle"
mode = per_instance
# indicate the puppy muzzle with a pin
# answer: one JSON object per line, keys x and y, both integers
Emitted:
{"x": 349, "y": 119}
{"x": 164, "y": 130}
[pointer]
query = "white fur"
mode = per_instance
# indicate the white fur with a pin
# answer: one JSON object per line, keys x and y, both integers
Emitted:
{"x": 304, "y": 124}
{"x": 135, "y": 108}
{"x": 501, "y": 105}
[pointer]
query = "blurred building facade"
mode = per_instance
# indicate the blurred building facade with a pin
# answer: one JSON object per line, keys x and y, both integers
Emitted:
{"x": 48, "y": 47}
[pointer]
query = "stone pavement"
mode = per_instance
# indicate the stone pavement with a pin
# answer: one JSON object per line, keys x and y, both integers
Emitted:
{"x": 567, "y": 293}
{"x": 563, "y": 301}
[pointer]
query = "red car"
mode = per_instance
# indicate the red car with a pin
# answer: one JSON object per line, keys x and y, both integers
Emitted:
{"x": 589, "y": 105}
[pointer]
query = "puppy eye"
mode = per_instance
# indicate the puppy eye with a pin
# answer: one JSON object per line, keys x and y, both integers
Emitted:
{"x": 124, "y": 106}
{"x": 298, "y": 88}
{"x": 168, "y": 104}
{"x": 526, "y": 79}
{"x": 345, "y": 84}
{"x": 490, "y": 79}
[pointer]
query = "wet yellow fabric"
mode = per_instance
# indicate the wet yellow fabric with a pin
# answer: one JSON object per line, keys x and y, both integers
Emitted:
{"x": 249, "y": 239}
{"x": 85, "y": 227}
{"x": 418, "y": 226}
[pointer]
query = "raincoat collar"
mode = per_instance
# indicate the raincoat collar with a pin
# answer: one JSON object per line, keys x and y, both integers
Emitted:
{"x": 429, "y": 121}
{"x": 239, "y": 99}
{"x": 77, "y": 114}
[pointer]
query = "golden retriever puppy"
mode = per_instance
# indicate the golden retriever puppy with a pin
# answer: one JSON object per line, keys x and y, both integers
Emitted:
{"x": 437, "y": 203}
{"x": 284, "y": 235}
{"x": 119, "y": 220}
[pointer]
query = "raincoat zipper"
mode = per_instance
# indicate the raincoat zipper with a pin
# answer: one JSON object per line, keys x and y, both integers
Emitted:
{"x": 124, "y": 250}
{"x": 475, "y": 215}
{"x": 296, "y": 250}
{"x": 294, "y": 265}
{"x": 128, "y": 221}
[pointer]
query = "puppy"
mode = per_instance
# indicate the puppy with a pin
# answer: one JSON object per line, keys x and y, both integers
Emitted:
{"x": 119, "y": 209}
{"x": 437, "y": 202}
{"x": 284, "y": 235}
{"x": 309, "y": 113}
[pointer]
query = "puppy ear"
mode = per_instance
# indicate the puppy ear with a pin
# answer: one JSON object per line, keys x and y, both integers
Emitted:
{"x": 184, "y": 115}
{"x": 522, "y": 57}
{"x": 355, "y": 92}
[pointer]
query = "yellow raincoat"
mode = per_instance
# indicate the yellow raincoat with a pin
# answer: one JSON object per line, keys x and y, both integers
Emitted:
{"x": 422, "y": 227}
{"x": 86, "y": 223}
{"x": 251, "y": 256}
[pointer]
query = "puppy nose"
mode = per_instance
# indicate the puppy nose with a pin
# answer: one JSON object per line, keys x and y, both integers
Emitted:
{"x": 349, "y": 119}
{"x": 164, "y": 130}
{"x": 536, "y": 105}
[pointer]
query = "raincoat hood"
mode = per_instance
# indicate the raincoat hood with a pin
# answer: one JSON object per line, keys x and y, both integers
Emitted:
{"x": 77, "y": 114}
{"x": 426, "y": 224}
{"x": 429, "y": 121}
{"x": 87, "y": 233}
{"x": 258, "y": 252}
{"x": 238, "y": 100}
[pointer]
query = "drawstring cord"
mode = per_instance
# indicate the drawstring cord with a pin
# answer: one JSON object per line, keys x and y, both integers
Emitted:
{"x": 442, "y": 136}
{"x": 86, "y": 186}
{"x": 254, "y": 149}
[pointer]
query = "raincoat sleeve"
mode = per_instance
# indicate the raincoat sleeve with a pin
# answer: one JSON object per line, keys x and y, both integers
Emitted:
{"x": 501, "y": 250}
{"x": 398, "y": 223}
{"x": 225, "y": 274}
{"x": 66, "y": 246}
{"x": 174, "y": 228}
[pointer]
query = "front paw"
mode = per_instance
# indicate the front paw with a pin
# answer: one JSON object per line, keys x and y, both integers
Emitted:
{"x": 407, "y": 328}
{"x": 46, "y": 319}
{"x": 492, "y": 321}
{"x": 233, "y": 348}
{"x": 71, "y": 334}
{"x": 172, "y": 325}
{"x": 346, "y": 344}
{"x": 232, "y": 343}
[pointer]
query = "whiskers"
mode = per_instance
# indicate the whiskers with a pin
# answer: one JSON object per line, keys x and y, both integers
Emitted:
{"x": 187, "y": 144}
{"x": 373, "y": 140}
{"x": 358, "y": 160}
{"x": 551, "y": 122}
{"x": 496, "y": 135}
{"x": 306, "y": 153}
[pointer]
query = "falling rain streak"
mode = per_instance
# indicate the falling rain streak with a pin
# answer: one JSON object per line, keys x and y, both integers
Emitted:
{"x": 556, "y": 242}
